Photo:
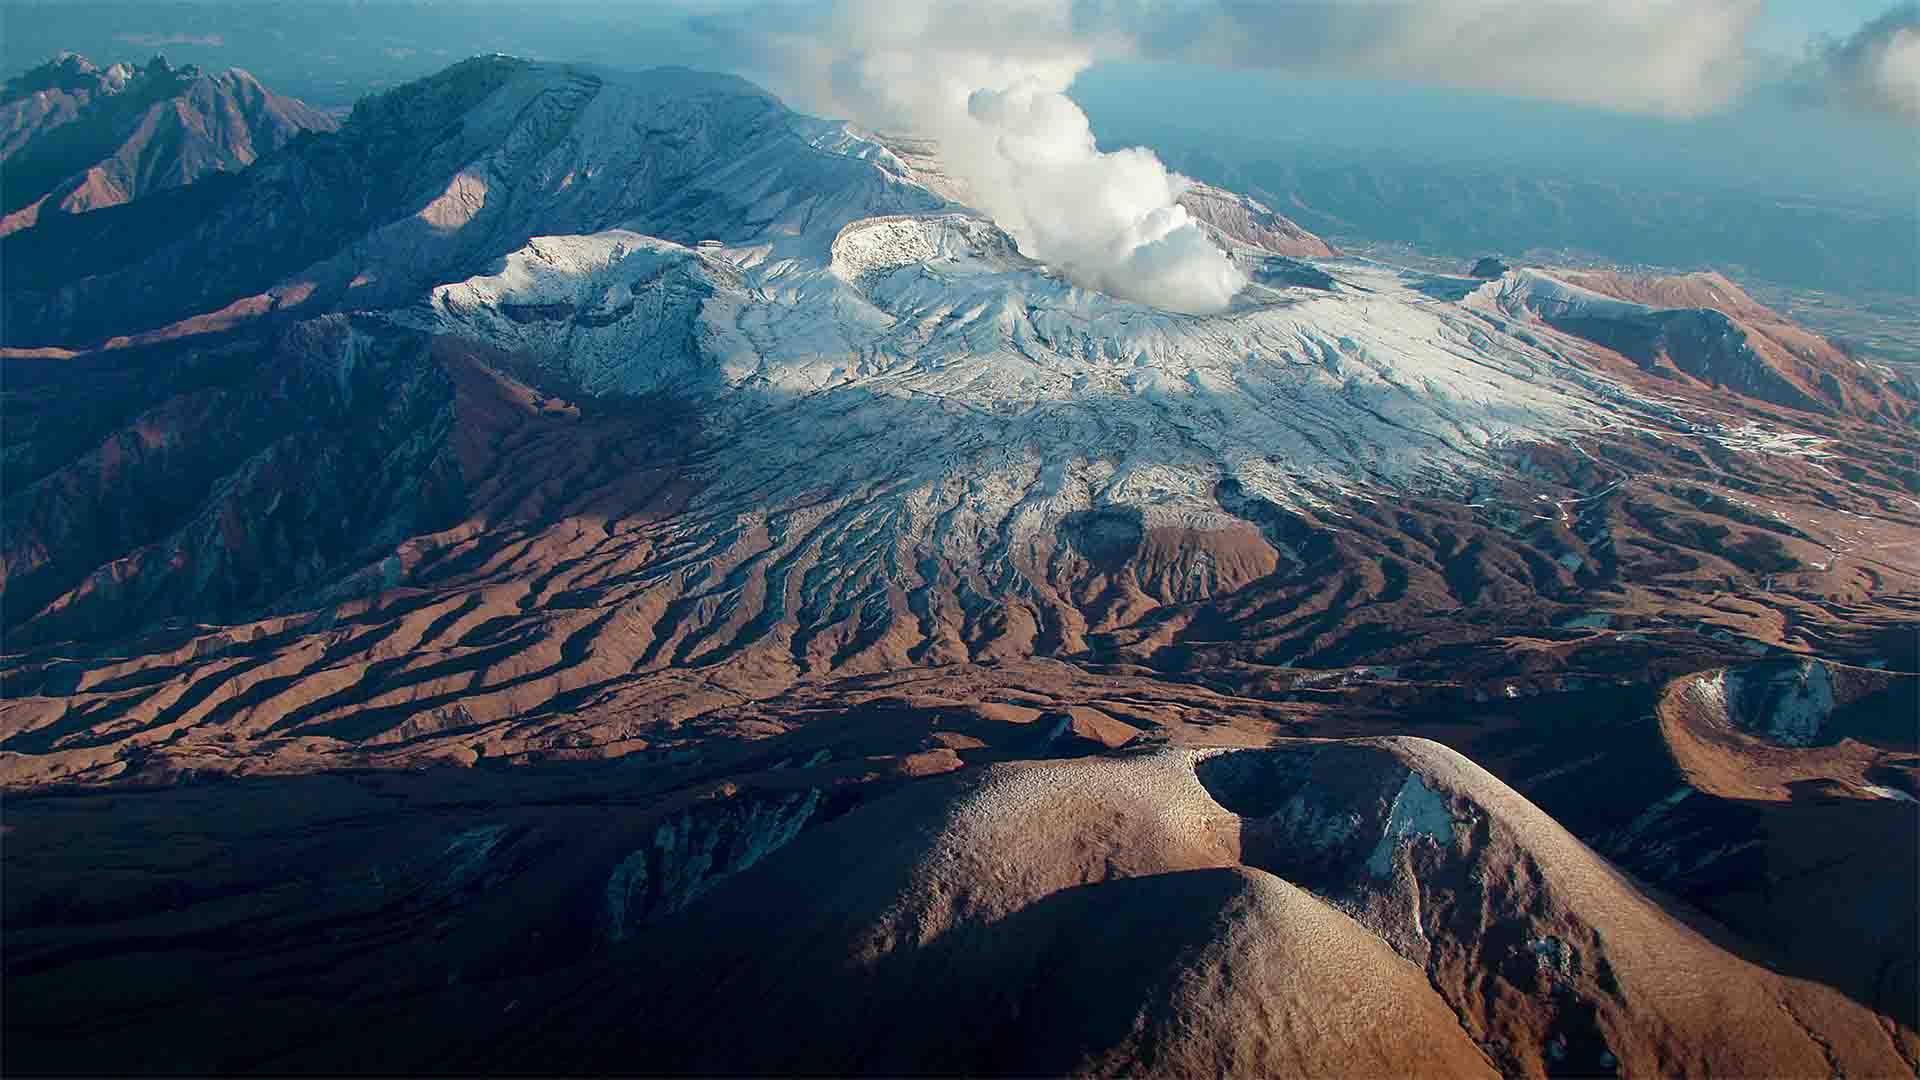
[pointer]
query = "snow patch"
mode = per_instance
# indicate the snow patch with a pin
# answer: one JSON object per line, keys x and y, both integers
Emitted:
{"x": 1885, "y": 792}
{"x": 1710, "y": 691}
{"x": 1787, "y": 707}
{"x": 1657, "y": 811}
{"x": 1417, "y": 811}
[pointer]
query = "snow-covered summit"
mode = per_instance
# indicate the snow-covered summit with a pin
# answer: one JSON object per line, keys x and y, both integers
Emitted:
{"x": 1013, "y": 393}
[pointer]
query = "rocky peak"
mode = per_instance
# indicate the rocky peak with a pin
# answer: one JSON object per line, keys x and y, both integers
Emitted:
{"x": 67, "y": 71}
{"x": 1489, "y": 267}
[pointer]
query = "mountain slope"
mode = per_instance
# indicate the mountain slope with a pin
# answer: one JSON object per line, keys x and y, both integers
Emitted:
{"x": 1266, "y": 881}
{"x": 1703, "y": 329}
{"x": 75, "y": 138}
{"x": 1247, "y": 221}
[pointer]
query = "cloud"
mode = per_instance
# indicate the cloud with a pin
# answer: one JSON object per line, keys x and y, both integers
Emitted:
{"x": 161, "y": 41}
{"x": 1877, "y": 69}
{"x": 1671, "y": 57}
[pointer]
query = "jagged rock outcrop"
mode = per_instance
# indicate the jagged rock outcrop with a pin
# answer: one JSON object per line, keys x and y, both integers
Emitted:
{"x": 695, "y": 850}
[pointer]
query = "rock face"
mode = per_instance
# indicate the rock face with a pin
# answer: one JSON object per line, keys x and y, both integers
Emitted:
{"x": 633, "y": 500}
{"x": 693, "y": 851}
{"x": 75, "y": 138}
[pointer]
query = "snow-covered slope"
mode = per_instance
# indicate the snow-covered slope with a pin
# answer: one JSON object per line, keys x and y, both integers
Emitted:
{"x": 1701, "y": 328}
{"x": 952, "y": 404}
{"x": 918, "y": 419}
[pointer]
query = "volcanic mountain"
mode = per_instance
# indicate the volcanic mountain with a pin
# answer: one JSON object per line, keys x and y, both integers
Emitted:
{"x": 631, "y": 551}
{"x": 74, "y": 137}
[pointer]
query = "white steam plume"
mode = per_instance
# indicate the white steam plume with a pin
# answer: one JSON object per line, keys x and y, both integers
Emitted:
{"x": 988, "y": 82}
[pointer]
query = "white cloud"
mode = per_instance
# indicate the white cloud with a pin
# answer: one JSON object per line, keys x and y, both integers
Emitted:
{"x": 1674, "y": 57}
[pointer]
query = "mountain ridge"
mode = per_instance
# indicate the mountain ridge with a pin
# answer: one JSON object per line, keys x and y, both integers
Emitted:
{"x": 77, "y": 138}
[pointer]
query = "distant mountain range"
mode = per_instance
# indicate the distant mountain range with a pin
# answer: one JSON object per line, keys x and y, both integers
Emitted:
{"x": 75, "y": 137}
{"x": 1449, "y": 207}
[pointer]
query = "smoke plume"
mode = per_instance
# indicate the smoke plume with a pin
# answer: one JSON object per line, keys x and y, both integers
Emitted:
{"x": 988, "y": 82}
